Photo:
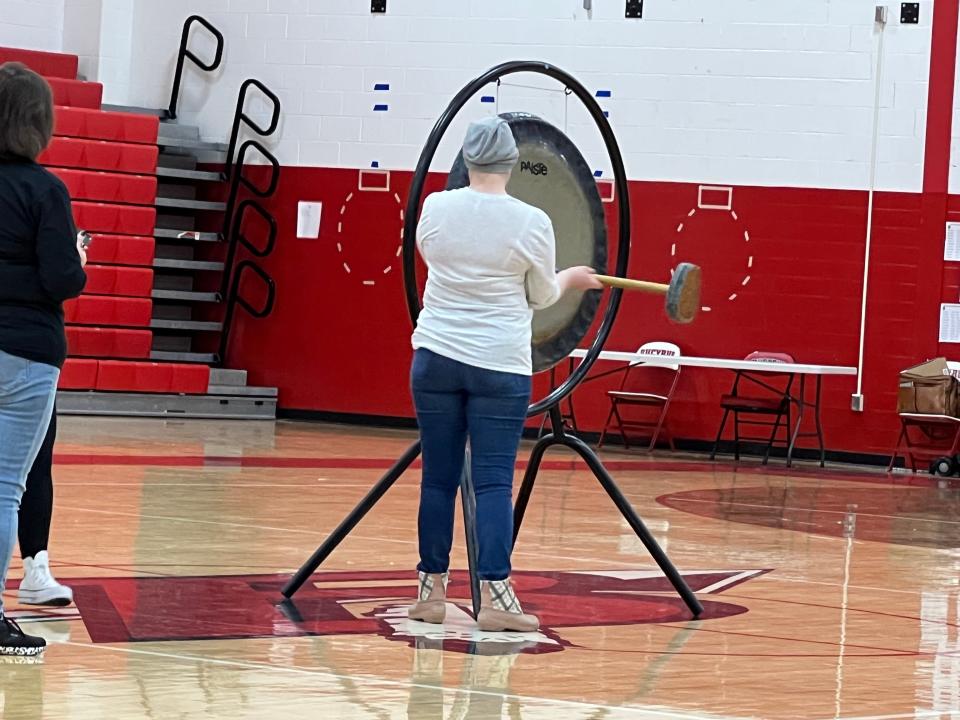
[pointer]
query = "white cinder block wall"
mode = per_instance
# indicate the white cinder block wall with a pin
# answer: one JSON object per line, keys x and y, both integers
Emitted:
{"x": 34, "y": 24}
{"x": 118, "y": 50}
{"x": 101, "y": 33}
{"x": 734, "y": 91}
{"x": 81, "y": 34}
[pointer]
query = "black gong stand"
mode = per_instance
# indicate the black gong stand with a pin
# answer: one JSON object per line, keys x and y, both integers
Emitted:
{"x": 550, "y": 404}
{"x": 558, "y": 435}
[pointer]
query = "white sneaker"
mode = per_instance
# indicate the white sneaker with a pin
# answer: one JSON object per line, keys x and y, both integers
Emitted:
{"x": 39, "y": 587}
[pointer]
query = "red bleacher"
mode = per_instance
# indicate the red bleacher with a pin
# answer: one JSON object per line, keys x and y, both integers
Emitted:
{"x": 79, "y": 374}
{"x": 121, "y": 250}
{"x": 109, "y": 311}
{"x": 50, "y": 65}
{"x": 101, "y": 155}
{"x": 109, "y": 187}
{"x": 153, "y": 377}
{"x": 117, "y": 280}
{"x": 115, "y": 219}
{"x": 98, "y": 125}
{"x": 119, "y": 376}
{"x": 109, "y": 342}
{"x": 76, "y": 93}
{"x": 108, "y": 161}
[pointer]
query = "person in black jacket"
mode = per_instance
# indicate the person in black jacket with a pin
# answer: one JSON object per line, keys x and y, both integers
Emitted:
{"x": 41, "y": 265}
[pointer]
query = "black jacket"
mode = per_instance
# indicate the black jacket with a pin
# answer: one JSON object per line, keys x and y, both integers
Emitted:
{"x": 39, "y": 263}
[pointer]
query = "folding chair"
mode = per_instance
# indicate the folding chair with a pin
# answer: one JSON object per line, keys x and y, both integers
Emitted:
{"x": 765, "y": 400}
{"x": 651, "y": 388}
{"x": 936, "y": 436}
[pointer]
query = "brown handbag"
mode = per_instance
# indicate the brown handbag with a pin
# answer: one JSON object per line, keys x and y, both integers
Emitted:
{"x": 929, "y": 389}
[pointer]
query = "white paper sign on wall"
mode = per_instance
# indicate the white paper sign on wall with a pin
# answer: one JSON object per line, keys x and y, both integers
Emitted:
{"x": 949, "y": 323}
{"x": 951, "y": 248}
{"x": 308, "y": 219}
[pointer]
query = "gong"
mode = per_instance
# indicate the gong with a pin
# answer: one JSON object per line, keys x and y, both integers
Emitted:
{"x": 544, "y": 146}
{"x": 580, "y": 234}
{"x": 552, "y": 175}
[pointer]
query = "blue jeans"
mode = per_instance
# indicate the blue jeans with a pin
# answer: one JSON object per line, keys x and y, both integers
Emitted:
{"x": 27, "y": 391}
{"x": 454, "y": 400}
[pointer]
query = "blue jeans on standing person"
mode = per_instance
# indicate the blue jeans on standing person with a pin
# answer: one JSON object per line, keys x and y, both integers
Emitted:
{"x": 454, "y": 401}
{"x": 27, "y": 391}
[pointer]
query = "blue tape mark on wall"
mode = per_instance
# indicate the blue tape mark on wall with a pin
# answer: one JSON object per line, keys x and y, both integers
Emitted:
{"x": 375, "y": 164}
{"x": 382, "y": 86}
{"x": 598, "y": 173}
{"x": 488, "y": 99}
{"x": 604, "y": 93}
{"x": 606, "y": 113}
{"x": 380, "y": 108}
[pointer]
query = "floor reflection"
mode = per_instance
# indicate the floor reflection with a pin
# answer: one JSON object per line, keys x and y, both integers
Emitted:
{"x": 938, "y": 670}
{"x": 922, "y": 517}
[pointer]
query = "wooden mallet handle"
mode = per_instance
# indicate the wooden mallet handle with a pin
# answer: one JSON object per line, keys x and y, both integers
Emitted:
{"x": 682, "y": 294}
{"x": 630, "y": 284}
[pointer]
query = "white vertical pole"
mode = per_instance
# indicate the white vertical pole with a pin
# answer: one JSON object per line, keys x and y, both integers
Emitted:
{"x": 881, "y": 20}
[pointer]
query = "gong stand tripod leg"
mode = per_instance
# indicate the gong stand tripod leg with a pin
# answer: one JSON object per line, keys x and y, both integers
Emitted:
{"x": 533, "y": 467}
{"x": 469, "y": 501}
{"x": 350, "y": 522}
{"x": 630, "y": 515}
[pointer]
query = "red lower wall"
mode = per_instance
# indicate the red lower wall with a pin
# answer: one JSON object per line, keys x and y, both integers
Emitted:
{"x": 336, "y": 344}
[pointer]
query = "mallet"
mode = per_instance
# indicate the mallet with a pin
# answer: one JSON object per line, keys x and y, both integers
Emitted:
{"x": 682, "y": 294}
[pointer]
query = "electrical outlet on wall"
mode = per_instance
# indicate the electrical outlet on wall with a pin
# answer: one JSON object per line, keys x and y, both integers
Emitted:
{"x": 634, "y": 9}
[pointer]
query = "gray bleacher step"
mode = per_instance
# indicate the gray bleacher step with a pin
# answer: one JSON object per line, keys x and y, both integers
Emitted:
{"x": 172, "y": 312}
{"x": 185, "y": 295}
{"x": 175, "y": 251}
{"x": 181, "y": 191}
{"x": 178, "y": 143}
{"x": 177, "y": 234}
{"x": 228, "y": 376}
{"x": 183, "y": 357}
{"x": 180, "y": 162}
{"x": 169, "y": 172}
{"x": 196, "y": 325}
{"x": 134, "y": 110}
{"x": 244, "y": 391}
{"x": 174, "y": 221}
{"x": 171, "y": 343}
{"x": 174, "y": 264}
{"x": 162, "y": 281}
{"x": 187, "y": 204}
{"x": 236, "y": 407}
{"x": 173, "y": 129}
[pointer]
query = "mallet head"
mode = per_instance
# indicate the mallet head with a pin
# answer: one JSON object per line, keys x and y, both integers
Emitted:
{"x": 683, "y": 297}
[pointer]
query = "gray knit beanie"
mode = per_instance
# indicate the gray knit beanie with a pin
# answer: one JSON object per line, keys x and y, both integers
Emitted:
{"x": 490, "y": 146}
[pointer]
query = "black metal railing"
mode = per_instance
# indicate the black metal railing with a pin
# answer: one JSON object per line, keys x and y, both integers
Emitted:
{"x": 240, "y": 117}
{"x": 252, "y": 205}
{"x": 233, "y": 218}
{"x": 237, "y": 211}
{"x": 235, "y": 298}
{"x": 185, "y": 53}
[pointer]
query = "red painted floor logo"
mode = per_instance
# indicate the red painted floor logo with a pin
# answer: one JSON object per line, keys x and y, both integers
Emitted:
{"x": 374, "y": 603}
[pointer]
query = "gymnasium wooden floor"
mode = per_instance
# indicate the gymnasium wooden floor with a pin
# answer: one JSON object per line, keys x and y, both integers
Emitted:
{"x": 828, "y": 595}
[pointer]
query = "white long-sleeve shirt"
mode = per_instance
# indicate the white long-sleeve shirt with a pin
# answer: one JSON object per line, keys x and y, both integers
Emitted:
{"x": 491, "y": 262}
